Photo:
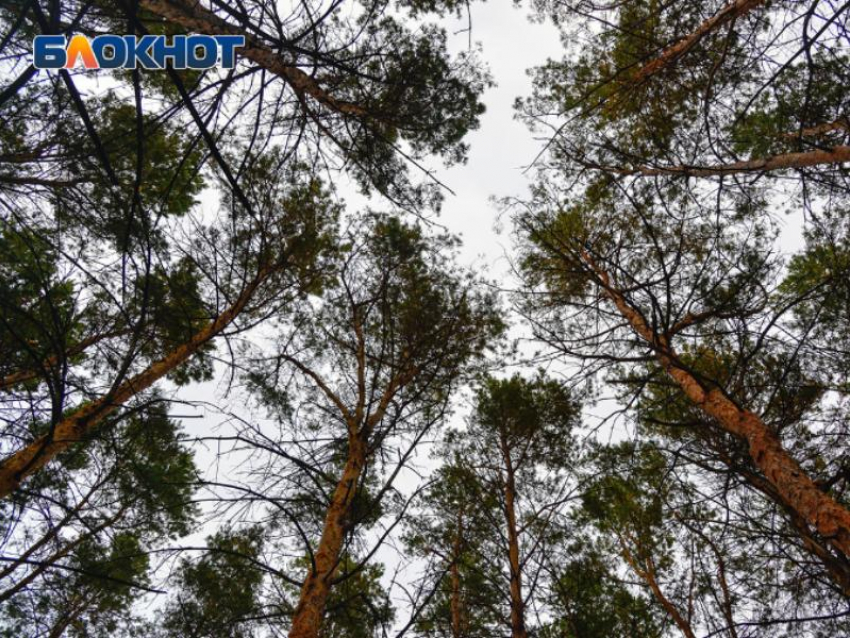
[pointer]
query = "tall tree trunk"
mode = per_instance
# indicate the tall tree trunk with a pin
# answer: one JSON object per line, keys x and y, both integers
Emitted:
{"x": 85, "y": 419}
{"x": 517, "y": 605}
{"x": 307, "y": 619}
{"x": 671, "y": 54}
{"x": 794, "y": 487}
{"x": 728, "y": 610}
{"x": 456, "y": 602}
{"x": 836, "y": 564}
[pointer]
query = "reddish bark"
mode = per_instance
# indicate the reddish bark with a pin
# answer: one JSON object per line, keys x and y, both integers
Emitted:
{"x": 836, "y": 155}
{"x": 307, "y": 619}
{"x": 194, "y": 17}
{"x": 671, "y": 54}
{"x": 794, "y": 488}
{"x": 821, "y": 129}
{"x": 647, "y": 573}
{"x": 85, "y": 419}
{"x": 836, "y": 566}
{"x": 456, "y": 602}
{"x": 518, "y": 629}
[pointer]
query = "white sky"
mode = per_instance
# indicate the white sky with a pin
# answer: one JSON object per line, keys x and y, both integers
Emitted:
{"x": 502, "y": 147}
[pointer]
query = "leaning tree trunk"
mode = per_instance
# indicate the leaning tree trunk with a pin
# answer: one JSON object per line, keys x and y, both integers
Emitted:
{"x": 84, "y": 420}
{"x": 647, "y": 573}
{"x": 795, "y": 489}
{"x": 307, "y": 619}
{"x": 783, "y": 161}
{"x": 194, "y": 17}
{"x": 671, "y": 54}
{"x": 836, "y": 564}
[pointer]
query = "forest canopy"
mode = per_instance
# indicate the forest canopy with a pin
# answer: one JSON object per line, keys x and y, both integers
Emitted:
{"x": 255, "y": 383}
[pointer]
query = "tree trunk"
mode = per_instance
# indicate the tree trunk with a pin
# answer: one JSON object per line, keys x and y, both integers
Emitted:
{"x": 842, "y": 124}
{"x": 836, "y": 155}
{"x": 836, "y": 565}
{"x": 194, "y": 17}
{"x": 793, "y": 486}
{"x": 517, "y": 606}
{"x": 83, "y": 421}
{"x": 647, "y": 573}
{"x": 307, "y": 619}
{"x": 71, "y": 616}
{"x": 456, "y": 602}
{"x": 668, "y": 56}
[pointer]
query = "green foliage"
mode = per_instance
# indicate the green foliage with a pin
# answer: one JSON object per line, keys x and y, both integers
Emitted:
{"x": 358, "y": 605}
{"x": 157, "y": 474}
{"x": 628, "y": 498}
{"x": 535, "y": 417}
{"x": 112, "y": 569}
{"x": 158, "y": 174}
{"x": 216, "y": 594}
{"x": 456, "y": 524}
{"x": 789, "y": 105}
{"x": 590, "y": 601}
{"x": 773, "y": 383}
{"x": 420, "y": 318}
{"x": 520, "y": 439}
{"x": 292, "y": 223}
{"x": 175, "y": 309}
{"x": 38, "y": 310}
{"x": 90, "y": 599}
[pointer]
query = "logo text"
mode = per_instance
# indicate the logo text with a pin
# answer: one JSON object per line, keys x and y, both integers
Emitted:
{"x": 196, "y": 52}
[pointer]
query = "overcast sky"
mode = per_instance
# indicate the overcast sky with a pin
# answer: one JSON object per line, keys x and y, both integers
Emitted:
{"x": 502, "y": 147}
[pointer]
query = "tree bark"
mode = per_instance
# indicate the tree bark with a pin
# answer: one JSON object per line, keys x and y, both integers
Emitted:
{"x": 307, "y": 619}
{"x": 671, "y": 54}
{"x": 456, "y": 602}
{"x": 835, "y": 155}
{"x": 70, "y": 617}
{"x": 194, "y": 17}
{"x": 647, "y": 573}
{"x": 836, "y": 565}
{"x": 793, "y": 486}
{"x": 83, "y": 421}
{"x": 518, "y": 629}
{"x": 821, "y": 129}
